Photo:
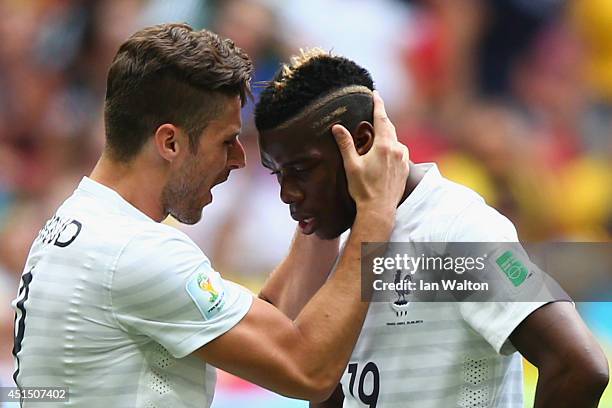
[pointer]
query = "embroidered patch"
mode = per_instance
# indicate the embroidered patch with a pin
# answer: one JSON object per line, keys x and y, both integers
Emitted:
{"x": 207, "y": 292}
{"x": 513, "y": 268}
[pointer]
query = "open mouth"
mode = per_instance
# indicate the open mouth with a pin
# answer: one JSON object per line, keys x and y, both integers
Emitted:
{"x": 308, "y": 225}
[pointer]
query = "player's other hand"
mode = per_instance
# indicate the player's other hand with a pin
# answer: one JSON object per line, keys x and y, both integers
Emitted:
{"x": 378, "y": 177}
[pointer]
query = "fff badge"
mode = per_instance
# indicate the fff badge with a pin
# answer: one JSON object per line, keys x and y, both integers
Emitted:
{"x": 207, "y": 292}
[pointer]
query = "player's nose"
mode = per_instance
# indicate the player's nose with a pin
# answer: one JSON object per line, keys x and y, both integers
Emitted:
{"x": 290, "y": 193}
{"x": 237, "y": 156}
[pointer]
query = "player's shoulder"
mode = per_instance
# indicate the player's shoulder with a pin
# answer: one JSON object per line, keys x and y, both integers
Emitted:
{"x": 98, "y": 218}
{"x": 449, "y": 211}
{"x": 156, "y": 250}
{"x": 118, "y": 227}
{"x": 154, "y": 234}
{"x": 474, "y": 219}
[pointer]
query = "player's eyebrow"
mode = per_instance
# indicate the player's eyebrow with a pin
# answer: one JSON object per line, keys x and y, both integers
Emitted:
{"x": 312, "y": 156}
{"x": 298, "y": 160}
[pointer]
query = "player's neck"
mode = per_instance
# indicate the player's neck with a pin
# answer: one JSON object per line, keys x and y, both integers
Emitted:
{"x": 414, "y": 178}
{"x": 141, "y": 188}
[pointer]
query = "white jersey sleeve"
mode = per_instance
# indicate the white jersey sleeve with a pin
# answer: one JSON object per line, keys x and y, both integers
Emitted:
{"x": 165, "y": 289}
{"x": 494, "y": 321}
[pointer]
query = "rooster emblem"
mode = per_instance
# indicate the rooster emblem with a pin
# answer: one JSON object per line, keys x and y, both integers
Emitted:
{"x": 401, "y": 292}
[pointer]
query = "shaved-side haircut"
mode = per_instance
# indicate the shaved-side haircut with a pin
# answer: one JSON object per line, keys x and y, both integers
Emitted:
{"x": 338, "y": 89}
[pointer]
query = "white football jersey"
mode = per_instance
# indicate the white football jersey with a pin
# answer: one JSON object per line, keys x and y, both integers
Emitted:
{"x": 112, "y": 304}
{"x": 442, "y": 355}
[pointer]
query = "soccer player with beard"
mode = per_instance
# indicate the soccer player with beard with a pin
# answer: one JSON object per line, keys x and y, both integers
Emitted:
{"x": 461, "y": 354}
{"x": 124, "y": 311}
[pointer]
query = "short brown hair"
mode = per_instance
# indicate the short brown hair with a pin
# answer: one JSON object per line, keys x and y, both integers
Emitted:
{"x": 169, "y": 73}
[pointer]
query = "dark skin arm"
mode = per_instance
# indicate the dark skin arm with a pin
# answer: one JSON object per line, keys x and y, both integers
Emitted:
{"x": 573, "y": 370}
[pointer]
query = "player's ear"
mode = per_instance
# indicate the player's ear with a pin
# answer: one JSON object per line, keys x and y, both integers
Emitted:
{"x": 363, "y": 137}
{"x": 166, "y": 140}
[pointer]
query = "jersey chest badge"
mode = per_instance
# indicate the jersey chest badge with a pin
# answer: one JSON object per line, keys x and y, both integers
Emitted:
{"x": 400, "y": 306}
{"x": 402, "y": 302}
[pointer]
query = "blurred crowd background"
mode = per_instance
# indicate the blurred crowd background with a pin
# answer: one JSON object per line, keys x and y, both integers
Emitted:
{"x": 512, "y": 98}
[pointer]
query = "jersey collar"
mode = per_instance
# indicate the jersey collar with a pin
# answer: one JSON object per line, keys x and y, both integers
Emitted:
{"x": 429, "y": 182}
{"x": 111, "y": 197}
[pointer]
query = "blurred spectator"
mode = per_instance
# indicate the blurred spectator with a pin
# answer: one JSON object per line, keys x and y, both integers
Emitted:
{"x": 254, "y": 27}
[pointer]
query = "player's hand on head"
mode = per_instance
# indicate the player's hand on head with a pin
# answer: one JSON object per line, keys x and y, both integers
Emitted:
{"x": 379, "y": 176}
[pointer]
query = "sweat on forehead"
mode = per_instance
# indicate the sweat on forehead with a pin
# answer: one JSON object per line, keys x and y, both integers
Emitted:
{"x": 352, "y": 101}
